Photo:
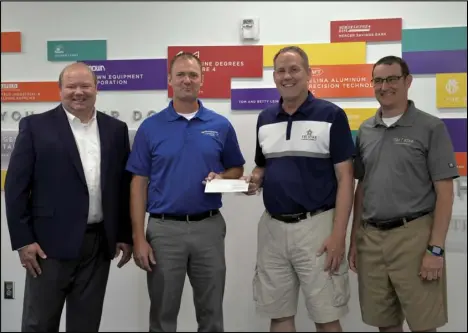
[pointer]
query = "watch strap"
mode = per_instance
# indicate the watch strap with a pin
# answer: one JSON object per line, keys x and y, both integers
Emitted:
{"x": 435, "y": 250}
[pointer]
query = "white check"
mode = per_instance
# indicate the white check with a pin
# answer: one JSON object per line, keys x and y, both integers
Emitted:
{"x": 226, "y": 185}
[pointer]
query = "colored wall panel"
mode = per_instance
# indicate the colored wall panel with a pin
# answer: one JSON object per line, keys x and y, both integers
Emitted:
{"x": 133, "y": 74}
{"x": 356, "y": 116}
{"x": 375, "y": 30}
{"x": 434, "y": 62}
{"x": 222, "y": 63}
{"x": 457, "y": 130}
{"x": 253, "y": 99}
{"x": 434, "y": 39}
{"x": 76, "y": 50}
{"x": 30, "y": 92}
{"x": 342, "y": 81}
{"x": 451, "y": 90}
{"x": 11, "y": 41}
{"x": 323, "y": 54}
{"x": 3, "y": 175}
{"x": 461, "y": 163}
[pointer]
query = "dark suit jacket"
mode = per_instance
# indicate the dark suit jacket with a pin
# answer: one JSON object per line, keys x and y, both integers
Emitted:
{"x": 46, "y": 194}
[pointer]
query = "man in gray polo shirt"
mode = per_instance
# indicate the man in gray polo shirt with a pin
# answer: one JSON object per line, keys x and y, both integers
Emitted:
{"x": 405, "y": 165}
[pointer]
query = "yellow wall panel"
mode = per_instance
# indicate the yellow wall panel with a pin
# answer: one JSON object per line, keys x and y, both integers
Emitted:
{"x": 323, "y": 54}
{"x": 451, "y": 90}
{"x": 3, "y": 179}
{"x": 356, "y": 116}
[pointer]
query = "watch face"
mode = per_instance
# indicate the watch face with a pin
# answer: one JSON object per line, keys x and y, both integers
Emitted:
{"x": 436, "y": 250}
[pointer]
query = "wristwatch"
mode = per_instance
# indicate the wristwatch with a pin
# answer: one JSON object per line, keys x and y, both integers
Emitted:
{"x": 435, "y": 250}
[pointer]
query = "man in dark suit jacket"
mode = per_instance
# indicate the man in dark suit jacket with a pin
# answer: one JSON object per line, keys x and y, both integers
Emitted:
{"x": 67, "y": 205}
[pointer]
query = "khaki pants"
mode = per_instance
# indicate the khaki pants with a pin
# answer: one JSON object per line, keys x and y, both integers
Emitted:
{"x": 390, "y": 288}
{"x": 287, "y": 260}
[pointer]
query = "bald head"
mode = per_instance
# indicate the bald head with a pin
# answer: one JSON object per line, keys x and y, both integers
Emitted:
{"x": 74, "y": 67}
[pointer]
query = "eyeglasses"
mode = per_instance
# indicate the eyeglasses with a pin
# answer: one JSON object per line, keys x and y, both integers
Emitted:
{"x": 391, "y": 80}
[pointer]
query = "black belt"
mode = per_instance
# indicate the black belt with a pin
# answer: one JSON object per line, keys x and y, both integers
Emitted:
{"x": 187, "y": 218}
{"x": 394, "y": 223}
{"x": 294, "y": 218}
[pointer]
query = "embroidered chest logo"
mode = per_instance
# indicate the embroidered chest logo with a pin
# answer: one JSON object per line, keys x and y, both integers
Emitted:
{"x": 403, "y": 141}
{"x": 309, "y": 135}
{"x": 211, "y": 133}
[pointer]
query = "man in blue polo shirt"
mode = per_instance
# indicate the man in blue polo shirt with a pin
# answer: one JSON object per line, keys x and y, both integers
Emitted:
{"x": 174, "y": 153}
{"x": 304, "y": 165}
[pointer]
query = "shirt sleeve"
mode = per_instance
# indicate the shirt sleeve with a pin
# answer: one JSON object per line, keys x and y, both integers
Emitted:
{"x": 359, "y": 170}
{"x": 260, "y": 159}
{"x": 232, "y": 155}
{"x": 441, "y": 159}
{"x": 139, "y": 161}
{"x": 342, "y": 146}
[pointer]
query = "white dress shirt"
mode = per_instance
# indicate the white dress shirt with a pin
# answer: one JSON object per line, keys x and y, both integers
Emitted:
{"x": 88, "y": 143}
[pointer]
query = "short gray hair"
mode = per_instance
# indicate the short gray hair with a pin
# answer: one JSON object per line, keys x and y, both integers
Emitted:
{"x": 295, "y": 49}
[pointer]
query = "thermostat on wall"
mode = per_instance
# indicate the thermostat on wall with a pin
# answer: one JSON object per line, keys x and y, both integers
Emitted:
{"x": 250, "y": 29}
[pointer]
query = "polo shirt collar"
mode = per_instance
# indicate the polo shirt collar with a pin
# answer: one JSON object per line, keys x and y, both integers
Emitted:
{"x": 406, "y": 120}
{"x": 301, "y": 109}
{"x": 172, "y": 115}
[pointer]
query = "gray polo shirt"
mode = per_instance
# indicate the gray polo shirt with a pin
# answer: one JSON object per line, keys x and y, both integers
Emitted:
{"x": 397, "y": 165}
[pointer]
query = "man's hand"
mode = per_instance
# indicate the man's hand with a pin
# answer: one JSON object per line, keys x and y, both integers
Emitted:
{"x": 28, "y": 257}
{"x": 352, "y": 257}
{"x": 126, "y": 253}
{"x": 431, "y": 267}
{"x": 143, "y": 254}
{"x": 212, "y": 175}
{"x": 335, "y": 248}
{"x": 254, "y": 184}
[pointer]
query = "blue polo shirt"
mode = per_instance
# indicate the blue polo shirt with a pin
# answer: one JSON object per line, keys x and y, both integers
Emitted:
{"x": 177, "y": 155}
{"x": 298, "y": 153}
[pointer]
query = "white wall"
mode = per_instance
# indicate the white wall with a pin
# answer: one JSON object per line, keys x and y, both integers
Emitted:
{"x": 144, "y": 30}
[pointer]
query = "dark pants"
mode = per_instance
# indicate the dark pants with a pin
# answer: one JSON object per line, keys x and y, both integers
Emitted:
{"x": 81, "y": 282}
{"x": 195, "y": 249}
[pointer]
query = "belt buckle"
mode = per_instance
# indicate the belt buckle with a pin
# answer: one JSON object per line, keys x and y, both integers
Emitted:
{"x": 389, "y": 225}
{"x": 294, "y": 217}
{"x": 316, "y": 212}
{"x": 405, "y": 222}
